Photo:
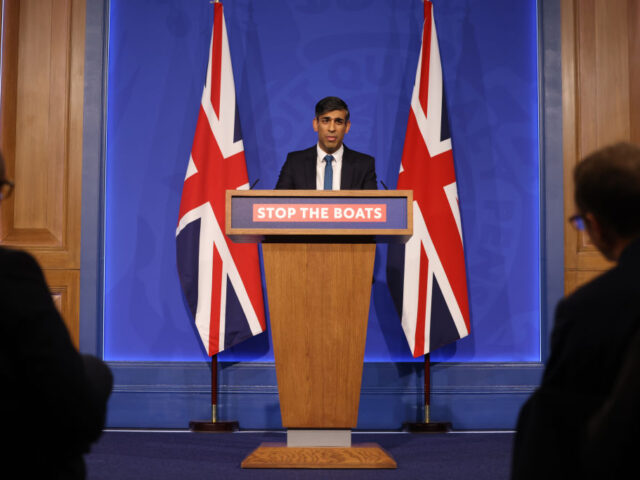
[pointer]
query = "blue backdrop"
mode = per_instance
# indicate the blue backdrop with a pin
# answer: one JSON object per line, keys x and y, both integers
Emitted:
{"x": 286, "y": 55}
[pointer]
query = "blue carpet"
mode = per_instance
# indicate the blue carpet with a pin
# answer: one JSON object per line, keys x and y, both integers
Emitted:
{"x": 186, "y": 455}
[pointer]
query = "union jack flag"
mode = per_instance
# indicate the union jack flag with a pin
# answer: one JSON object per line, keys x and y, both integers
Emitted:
{"x": 220, "y": 279}
{"x": 427, "y": 275}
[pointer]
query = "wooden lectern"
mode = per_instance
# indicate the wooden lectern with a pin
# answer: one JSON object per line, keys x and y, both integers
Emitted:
{"x": 319, "y": 249}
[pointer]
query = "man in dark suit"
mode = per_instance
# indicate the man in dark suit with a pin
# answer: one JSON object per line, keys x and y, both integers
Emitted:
{"x": 592, "y": 332}
{"x": 329, "y": 165}
{"x": 53, "y": 399}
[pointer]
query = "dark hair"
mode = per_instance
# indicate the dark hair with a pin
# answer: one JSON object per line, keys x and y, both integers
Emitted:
{"x": 607, "y": 184}
{"x": 329, "y": 104}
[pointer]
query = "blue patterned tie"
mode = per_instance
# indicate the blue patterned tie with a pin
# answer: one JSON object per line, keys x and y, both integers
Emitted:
{"x": 328, "y": 173}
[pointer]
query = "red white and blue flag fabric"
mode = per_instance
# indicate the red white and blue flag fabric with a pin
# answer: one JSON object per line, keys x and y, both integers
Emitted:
{"x": 220, "y": 279}
{"x": 427, "y": 276}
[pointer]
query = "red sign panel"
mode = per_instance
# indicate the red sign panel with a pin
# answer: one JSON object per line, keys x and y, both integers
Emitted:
{"x": 292, "y": 212}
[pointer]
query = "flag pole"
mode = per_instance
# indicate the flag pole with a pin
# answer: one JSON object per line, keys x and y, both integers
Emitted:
{"x": 427, "y": 426}
{"x": 427, "y": 387}
{"x": 214, "y": 425}
{"x": 204, "y": 185}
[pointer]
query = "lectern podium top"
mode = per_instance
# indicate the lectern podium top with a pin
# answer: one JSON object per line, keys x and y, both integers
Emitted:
{"x": 311, "y": 215}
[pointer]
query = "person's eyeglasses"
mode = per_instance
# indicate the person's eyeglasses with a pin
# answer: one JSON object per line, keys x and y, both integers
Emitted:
{"x": 577, "y": 221}
{"x": 6, "y": 189}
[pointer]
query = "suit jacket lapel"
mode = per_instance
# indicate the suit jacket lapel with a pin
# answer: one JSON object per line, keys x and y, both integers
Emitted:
{"x": 310, "y": 161}
{"x": 346, "y": 177}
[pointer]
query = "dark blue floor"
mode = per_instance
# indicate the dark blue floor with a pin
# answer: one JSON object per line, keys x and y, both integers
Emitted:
{"x": 186, "y": 455}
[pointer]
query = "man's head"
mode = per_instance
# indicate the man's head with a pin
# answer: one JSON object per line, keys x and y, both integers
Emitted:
{"x": 331, "y": 122}
{"x": 607, "y": 195}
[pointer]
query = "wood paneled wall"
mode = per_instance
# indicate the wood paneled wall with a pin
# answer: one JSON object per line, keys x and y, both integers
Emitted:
{"x": 600, "y": 102}
{"x": 41, "y": 139}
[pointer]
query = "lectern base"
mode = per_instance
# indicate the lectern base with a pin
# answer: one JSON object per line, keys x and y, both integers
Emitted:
{"x": 278, "y": 455}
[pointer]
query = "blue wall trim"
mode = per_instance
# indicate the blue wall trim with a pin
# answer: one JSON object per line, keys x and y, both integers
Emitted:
{"x": 93, "y": 154}
{"x": 551, "y": 169}
{"x": 470, "y": 395}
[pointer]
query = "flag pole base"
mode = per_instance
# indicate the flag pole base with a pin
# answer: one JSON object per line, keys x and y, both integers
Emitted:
{"x": 213, "y": 427}
{"x": 427, "y": 427}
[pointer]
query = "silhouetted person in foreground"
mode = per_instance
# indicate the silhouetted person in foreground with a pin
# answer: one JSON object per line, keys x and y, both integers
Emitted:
{"x": 565, "y": 430}
{"x": 53, "y": 399}
{"x": 613, "y": 432}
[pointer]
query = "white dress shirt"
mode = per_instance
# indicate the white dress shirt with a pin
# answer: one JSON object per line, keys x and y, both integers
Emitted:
{"x": 336, "y": 164}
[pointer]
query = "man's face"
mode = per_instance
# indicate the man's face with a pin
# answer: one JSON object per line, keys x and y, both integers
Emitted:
{"x": 331, "y": 127}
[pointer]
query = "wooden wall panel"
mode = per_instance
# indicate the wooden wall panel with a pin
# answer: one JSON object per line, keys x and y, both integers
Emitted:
{"x": 601, "y": 102}
{"x": 65, "y": 290}
{"x": 41, "y": 138}
{"x": 634, "y": 69}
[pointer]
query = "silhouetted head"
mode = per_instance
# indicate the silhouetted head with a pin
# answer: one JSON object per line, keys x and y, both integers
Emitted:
{"x": 607, "y": 196}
